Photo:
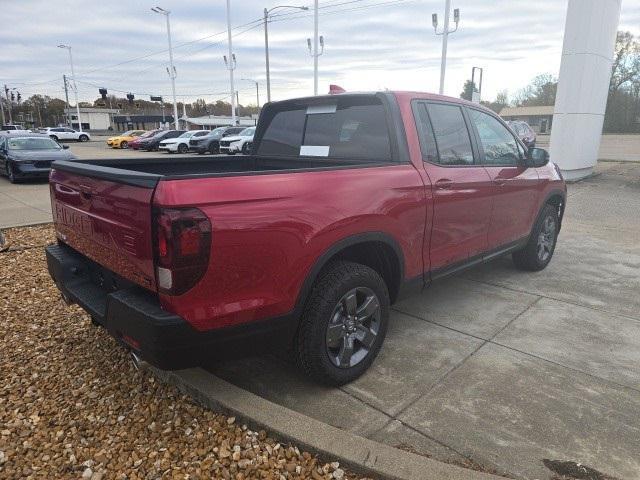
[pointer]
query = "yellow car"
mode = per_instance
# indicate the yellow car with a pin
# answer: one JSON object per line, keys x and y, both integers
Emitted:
{"x": 122, "y": 141}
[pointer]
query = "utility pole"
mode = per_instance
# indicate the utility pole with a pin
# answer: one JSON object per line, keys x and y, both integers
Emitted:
{"x": 6, "y": 93}
{"x": 75, "y": 86}
{"x": 231, "y": 64}
{"x": 171, "y": 70}
{"x": 2, "y": 110}
{"x": 445, "y": 36}
{"x": 257, "y": 89}
{"x": 314, "y": 52}
{"x": 66, "y": 96}
{"x": 266, "y": 42}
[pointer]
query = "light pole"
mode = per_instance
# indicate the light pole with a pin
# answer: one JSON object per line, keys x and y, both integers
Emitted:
{"x": 75, "y": 87}
{"x": 266, "y": 41}
{"x": 257, "y": 89}
{"x": 314, "y": 52}
{"x": 171, "y": 70}
{"x": 445, "y": 36}
{"x": 231, "y": 64}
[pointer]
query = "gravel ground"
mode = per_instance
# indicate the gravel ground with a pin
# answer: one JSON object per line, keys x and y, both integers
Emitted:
{"x": 72, "y": 406}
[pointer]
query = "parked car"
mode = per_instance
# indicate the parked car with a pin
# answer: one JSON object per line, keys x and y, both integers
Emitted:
{"x": 211, "y": 142}
{"x": 123, "y": 140}
{"x": 349, "y": 203}
{"x": 238, "y": 143}
{"x": 64, "y": 133}
{"x": 524, "y": 132}
{"x": 135, "y": 143}
{"x": 153, "y": 143}
{"x": 181, "y": 144}
{"x": 29, "y": 155}
{"x": 13, "y": 129}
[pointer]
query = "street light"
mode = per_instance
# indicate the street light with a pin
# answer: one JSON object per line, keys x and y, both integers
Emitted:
{"x": 445, "y": 35}
{"x": 257, "y": 89}
{"x": 231, "y": 64}
{"x": 266, "y": 41}
{"x": 315, "y": 54}
{"x": 171, "y": 70}
{"x": 75, "y": 87}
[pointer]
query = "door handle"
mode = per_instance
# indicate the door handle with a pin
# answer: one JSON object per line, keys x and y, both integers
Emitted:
{"x": 444, "y": 183}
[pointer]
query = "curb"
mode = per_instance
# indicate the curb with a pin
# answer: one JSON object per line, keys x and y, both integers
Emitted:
{"x": 358, "y": 454}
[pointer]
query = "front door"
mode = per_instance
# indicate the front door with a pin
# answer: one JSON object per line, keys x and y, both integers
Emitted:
{"x": 515, "y": 186}
{"x": 461, "y": 186}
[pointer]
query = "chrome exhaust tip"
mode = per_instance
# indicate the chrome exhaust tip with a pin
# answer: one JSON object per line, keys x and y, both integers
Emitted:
{"x": 138, "y": 363}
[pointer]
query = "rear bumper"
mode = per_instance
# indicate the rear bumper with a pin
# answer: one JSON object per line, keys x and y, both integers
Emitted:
{"x": 134, "y": 317}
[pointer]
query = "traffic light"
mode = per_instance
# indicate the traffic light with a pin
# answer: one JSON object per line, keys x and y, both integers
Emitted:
{"x": 130, "y": 97}
{"x": 19, "y": 97}
{"x": 103, "y": 93}
{"x": 137, "y": 104}
{"x": 13, "y": 97}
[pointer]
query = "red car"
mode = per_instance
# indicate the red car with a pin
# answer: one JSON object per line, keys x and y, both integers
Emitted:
{"x": 135, "y": 143}
{"x": 348, "y": 203}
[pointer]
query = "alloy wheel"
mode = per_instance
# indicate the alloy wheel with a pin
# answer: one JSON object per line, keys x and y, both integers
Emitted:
{"x": 546, "y": 239}
{"x": 353, "y": 327}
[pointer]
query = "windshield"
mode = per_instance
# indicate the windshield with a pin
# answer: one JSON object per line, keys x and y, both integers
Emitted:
{"x": 187, "y": 134}
{"x": 29, "y": 143}
{"x": 127, "y": 133}
{"x": 247, "y": 132}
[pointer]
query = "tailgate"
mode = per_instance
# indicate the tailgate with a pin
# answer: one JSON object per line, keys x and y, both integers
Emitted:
{"x": 106, "y": 220}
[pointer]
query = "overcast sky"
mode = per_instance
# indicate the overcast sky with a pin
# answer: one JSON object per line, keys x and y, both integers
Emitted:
{"x": 369, "y": 44}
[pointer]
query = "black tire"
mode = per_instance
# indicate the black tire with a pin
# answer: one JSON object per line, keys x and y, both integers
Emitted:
{"x": 83, "y": 138}
{"x": 53, "y": 137}
{"x": 325, "y": 315}
{"x": 538, "y": 252}
{"x": 124, "y": 144}
{"x": 10, "y": 174}
{"x": 213, "y": 149}
{"x": 246, "y": 148}
{"x": 182, "y": 149}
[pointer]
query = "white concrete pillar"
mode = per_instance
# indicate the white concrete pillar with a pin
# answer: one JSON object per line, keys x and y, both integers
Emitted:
{"x": 587, "y": 56}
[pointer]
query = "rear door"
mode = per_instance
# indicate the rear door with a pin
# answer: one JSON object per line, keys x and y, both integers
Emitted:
{"x": 461, "y": 186}
{"x": 514, "y": 185}
{"x": 108, "y": 221}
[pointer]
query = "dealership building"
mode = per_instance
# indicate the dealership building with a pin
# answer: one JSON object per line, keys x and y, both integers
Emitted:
{"x": 92, "y": 118}
{"x": 539, "y": 118}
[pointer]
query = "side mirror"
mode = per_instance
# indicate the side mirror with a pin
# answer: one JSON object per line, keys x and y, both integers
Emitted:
{"x": 65, "y": 147}
{"x": 537, "y": 157}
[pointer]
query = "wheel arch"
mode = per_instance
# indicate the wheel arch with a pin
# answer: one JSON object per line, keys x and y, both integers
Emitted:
{"x": 556, "y": 198}
{"x": 377, "y": 250}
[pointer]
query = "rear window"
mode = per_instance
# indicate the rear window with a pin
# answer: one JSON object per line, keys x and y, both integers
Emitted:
{"x": 346, "y": 127}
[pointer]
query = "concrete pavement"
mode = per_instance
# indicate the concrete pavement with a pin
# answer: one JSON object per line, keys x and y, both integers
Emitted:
{"x": 502, "y": 367}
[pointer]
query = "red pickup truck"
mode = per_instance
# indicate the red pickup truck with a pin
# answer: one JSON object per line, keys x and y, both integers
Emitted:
{"x": 347, "y": 203}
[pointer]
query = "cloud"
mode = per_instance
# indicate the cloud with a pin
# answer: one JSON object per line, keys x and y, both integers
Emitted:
{"x": 370, "y": 44}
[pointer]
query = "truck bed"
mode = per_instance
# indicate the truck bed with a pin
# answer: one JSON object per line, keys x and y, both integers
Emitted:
{"x": 148, "y": 171}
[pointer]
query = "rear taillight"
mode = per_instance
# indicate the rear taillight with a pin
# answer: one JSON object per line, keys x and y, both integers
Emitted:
{"x": 181, "y": 248}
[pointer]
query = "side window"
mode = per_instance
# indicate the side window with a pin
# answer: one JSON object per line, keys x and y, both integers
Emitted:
{"x": 500, "y": 148}
{"x": 452, "y": 136}
{"x": 425, "y": 134}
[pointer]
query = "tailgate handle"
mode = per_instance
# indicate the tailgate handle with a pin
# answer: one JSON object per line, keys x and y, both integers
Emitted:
{"x": 85, "y": 191}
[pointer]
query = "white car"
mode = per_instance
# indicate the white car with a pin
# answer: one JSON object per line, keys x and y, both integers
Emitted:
{"x": 238, "y": 143}
{"x": 13, "y": 129}
{"x": 65, "y": 133}
{"x": 181, "y": 144}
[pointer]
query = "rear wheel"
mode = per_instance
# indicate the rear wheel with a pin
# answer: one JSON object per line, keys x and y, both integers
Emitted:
{"x": 124, "y": 144}
{"x": 537, "y": 254}
{"x": 83, "y": 138}
{"x": 213, "y": 149}
{"x": 182, "y": 148}
{"x": 343, "y": 324}
{"x": 246, "y": 148}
